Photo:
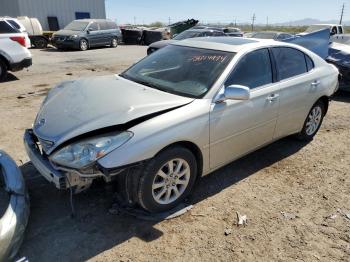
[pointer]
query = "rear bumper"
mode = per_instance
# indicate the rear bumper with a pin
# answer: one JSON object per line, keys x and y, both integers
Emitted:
{"x": 15, "y": 219}
{"x": 27, "y": 62}
{"x": 41, "y": 163}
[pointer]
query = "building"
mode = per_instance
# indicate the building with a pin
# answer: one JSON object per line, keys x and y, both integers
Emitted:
{"x": 54, "y": 14}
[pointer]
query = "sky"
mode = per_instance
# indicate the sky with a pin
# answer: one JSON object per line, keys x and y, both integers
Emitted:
{"x": 224, "y": 11}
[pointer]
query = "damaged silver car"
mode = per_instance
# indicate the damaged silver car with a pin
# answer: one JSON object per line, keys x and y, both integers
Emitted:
{"x": 179, "y": 114}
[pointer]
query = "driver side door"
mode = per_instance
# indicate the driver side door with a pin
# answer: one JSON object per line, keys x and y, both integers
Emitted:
{"x": 239, "y": 127}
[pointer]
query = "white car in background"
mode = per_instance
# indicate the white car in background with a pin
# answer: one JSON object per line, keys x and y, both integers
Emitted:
{"x": 14, "y": 22}
{"x": 14, "y": 54}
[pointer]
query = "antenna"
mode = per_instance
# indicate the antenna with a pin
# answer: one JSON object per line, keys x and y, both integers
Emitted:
{"x": 342, "y": 14}
{"x": 253, "y": 21}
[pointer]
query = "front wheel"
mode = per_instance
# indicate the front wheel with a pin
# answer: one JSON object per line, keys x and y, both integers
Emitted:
{"x": 114, "y": 42}
{"x": 313, "y": 122}
{"x": 167, "y": 179}
{"x": 83, "y": 45}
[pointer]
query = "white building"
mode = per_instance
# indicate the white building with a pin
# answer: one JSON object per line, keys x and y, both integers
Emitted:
{"x": 54, "y": 14}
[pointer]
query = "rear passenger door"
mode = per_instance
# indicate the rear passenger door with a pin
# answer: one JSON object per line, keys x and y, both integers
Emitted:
{"x": 104, "y": 33}
{"x": 297, "y": 88}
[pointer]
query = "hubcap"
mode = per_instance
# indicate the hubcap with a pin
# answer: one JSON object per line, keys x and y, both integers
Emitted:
{"x": 171, "y": 181}
{"x": 83, "y": 45}
{"x": 114, "y": 42}
{"x": 314, "y": 120}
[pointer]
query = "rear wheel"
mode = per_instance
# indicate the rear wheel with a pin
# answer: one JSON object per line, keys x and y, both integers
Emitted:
{"x": 40, "y": 42}
{"x": 83, "y": 45}
{"x": 313, "y": 122}
{"x": 3, "y": 70}
{"x": 167, "y": 179}
{"x": 114, "y": 42}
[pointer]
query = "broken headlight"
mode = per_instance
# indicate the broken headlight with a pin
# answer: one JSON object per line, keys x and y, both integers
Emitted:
{"x": 83, "y": 153}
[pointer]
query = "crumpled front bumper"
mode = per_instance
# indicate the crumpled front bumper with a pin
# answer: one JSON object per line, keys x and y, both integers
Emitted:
{"x": 42, "y": 164}
{"x": 15, "y": 219}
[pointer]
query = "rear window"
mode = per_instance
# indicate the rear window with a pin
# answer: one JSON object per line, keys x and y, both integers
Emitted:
{"x": 290, "y": 62}
{"x": 14, "y": 24}
{"x": 5, "y": 28}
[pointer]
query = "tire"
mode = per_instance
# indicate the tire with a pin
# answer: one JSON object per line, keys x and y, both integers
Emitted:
{"x": 156, "y": 190}
{"x": 312, "y": 122}
{"x": 40, "y": 42}
{"x": 114, "y": 42}
{"x": 83, "y": 45}
{"x": 3, "y": 70}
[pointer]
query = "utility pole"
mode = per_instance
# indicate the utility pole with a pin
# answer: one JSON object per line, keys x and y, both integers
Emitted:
{"x": 267, "y": 21}
{"x": 253, "y": 21}
{"x": 169, "y": 22}
{"x": 134, "y": 20}
{"x": 342, "y": 14}
{"x": 235, "y": 22}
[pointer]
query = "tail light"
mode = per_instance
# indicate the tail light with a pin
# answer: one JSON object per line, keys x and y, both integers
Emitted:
{"x": 19, "y": 39}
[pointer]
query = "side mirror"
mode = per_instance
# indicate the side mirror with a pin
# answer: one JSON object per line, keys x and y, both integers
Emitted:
{"x": 89, "y": 30}
{"x": 235, "y": 92}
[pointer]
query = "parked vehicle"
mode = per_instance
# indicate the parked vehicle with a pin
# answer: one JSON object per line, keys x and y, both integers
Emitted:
{"x": 278, "y": 36}
{"x": 14, "y": 55}
{"x": 231, "y": 31}
{"x": 85, "y": 33}
{"x": 334, "y": 29}
{"x": 191, "y": 33}
{"x": 181, "y": 26}
{"x": 19, "y": 26}
{"x": 14, "y": 219}
{"x": 34, "y": 29}
{"x": 179, "y": 114}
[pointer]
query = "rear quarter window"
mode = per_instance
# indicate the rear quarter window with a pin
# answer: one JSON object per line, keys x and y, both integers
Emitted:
{"x": 309, "y": 63}
{"x": 5, "y": 28}
{"x": 290, "y": 62}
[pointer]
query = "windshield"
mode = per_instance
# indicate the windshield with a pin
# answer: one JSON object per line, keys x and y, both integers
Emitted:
{"x": 314, "y": 28}
{"x": 232, "y": 30}
{"x": 180, "y": 70}
{"x": 77, "y": 26}
{"x": 187, "y": 34}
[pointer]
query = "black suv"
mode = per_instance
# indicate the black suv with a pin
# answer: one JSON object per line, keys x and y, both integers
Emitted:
{"x": 85, "y": 33}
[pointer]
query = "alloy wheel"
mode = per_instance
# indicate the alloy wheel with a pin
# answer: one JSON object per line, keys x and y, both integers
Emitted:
{"x": 314, "y": 120}
{"x": 171, "y": 181}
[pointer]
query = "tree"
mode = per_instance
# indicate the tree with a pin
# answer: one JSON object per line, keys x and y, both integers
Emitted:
{"x": 156, "y": 24}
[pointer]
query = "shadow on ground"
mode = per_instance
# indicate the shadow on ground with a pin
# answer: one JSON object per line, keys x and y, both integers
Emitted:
{"x": 10, "y": 78}
{"x": 342, "y": 96}
{"x": 53, "y": 235}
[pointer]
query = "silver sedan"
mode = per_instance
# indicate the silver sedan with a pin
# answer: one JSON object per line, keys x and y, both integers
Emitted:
{"x": 178, "y": 114}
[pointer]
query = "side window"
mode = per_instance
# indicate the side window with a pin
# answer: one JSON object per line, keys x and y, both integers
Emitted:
{"x": 309, "y": 63}
{"x": 290, "y": 62}
{"x": 219, "y": 34}
{"x": 112, "y": 25}
{"x": 104, "y": 26}
{"x": 14, "y": 24}
{"x": 253, "y": 70}
{"x": 5, "y": 28}
{"x": 340, "y": 30}
{"x": 334, "y": 30}
{"x": 93, "y": 27}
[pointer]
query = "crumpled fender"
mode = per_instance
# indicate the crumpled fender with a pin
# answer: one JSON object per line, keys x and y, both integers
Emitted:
{"x": 15, "y": 219}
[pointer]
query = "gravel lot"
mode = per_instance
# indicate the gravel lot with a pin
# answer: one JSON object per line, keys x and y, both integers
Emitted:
{"x": 296, "y": 196}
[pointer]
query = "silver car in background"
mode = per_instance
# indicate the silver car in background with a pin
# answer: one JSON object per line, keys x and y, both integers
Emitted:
{"x": 179, "y": 114}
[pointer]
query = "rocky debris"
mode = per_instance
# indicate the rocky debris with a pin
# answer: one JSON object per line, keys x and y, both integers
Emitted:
{"x": 228, "y": 231}
{"x": 242, "y": 220}
{"x": 289, "y": 216}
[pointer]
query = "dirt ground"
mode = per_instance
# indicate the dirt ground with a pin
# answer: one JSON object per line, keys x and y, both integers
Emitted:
{"x": 296, "y": 196}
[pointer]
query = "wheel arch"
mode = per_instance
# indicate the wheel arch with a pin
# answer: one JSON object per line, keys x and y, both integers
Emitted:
{"x": 4, "y": 59}
{"x": 325, "y": 101}
{"x": 195, "y": 150}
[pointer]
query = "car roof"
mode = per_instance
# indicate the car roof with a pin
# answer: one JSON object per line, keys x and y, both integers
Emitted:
{"x": 94, "y": 20}
{"x": 202, "y": 30}
{"x": 229, "y": 44}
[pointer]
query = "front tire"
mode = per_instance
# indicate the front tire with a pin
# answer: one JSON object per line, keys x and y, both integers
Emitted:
{"x": 83, "y": 45}
{"x": 313, "y": 122}
{"x": 167, "y": 180}
{"x": 114, "y": 42}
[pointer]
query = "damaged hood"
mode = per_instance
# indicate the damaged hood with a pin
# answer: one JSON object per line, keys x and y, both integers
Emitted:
{"x": 74, "y": 108}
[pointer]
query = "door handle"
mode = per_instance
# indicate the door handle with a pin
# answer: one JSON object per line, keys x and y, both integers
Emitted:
{"x": 316, "y": 83}
{"x": 272, "y": 98}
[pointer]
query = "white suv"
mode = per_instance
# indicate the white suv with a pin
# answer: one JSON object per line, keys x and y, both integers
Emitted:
{"x": 14, "y": 54}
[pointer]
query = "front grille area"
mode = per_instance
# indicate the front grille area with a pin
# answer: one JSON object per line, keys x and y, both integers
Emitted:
{"x": 60, "y": 38}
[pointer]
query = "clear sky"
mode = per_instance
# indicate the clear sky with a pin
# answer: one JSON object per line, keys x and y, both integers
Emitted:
{"x": 224, "y": 11}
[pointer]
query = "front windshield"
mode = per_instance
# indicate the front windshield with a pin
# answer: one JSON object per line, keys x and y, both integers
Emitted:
{"x": 186, "y": 71}
{"x": 314, "y": 28}
{"x": 187, "y": 34}
{"x": 76, "y": 26}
